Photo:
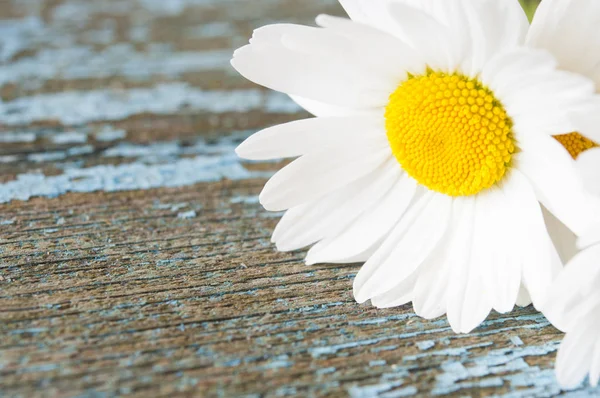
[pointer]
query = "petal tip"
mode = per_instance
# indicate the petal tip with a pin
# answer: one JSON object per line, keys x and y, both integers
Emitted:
{"x": 360, "y": 295}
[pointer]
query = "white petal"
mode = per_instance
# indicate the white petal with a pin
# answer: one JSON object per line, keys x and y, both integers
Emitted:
{"x": 375, "y": 14}
{"x": 368, "y": 230}
{"x": 385, "y": 52}
{"x": 509, "y": 68}
{"x": 523, "y": 299}
{"x": 467, "y": 305}
{"x": 426, "y": 34}
{"x": 568, "y": 29}
{"x": 574, "y": 291}
{"x": 540, "y": 260}
{"x": 429, "y": 293}
{"x": 507, "y": 34}
{"x": 316, "y": 64}
{"x": 354, "y": 9}
{"x": 316, "y": 174}
{"x": 589, "y": 238}
{"x": 558, "y": 186}
{"x": 586, "y": 119}
{"x": 562, "y": 237}
{"x": 300, "y": 137}
{"x": 487, "y": 36}
{"x": 322, "y": 109}
{"x": 588, "y": 164}
{"x": 496, "y": 249}
{"x": 330, "y": 215}
{"x": 595, "y": 367}
{"x": 537, "y": 97}
{"x": 400, "y": 294}
{"x": 405, "y": 249}
{"x": 574, "y": 361}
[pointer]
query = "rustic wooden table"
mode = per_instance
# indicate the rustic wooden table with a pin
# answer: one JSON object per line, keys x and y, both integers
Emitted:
{"x": 134, "y": 256}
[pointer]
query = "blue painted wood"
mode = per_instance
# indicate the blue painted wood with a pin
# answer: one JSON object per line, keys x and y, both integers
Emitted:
{"x": 134, "y": 256}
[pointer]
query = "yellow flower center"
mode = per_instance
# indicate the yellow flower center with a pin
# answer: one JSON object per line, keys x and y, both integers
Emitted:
{"x": 449, "y": 133}
{"x": 575, "y": 143}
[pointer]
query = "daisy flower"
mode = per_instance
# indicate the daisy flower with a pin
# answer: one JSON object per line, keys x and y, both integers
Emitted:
{"x": 573, "y": 306}
{"x": 569, "y": 30}
{"x": 431, "y": 155}
{"x": 573, "y": 302}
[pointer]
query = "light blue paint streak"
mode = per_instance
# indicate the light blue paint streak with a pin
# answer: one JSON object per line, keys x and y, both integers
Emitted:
{"x": 379, "y": 362}
{"x": 212, "y": 30}
{"x": 15, "y": 36}
{"x": 378, "y": 321}
{"x": 187, "y": 214}
{"x": 501, "y": 366}
{"x": 127, "y": 177}
{"x": 108, "y": 134}
{"x": 171, "y": 150}
{"x": 425, "y": 345}
{"x": 333, "y": 349}
{"x": 81, "y": 62}
{"x": 249, "y": 200}
{"x": 382, "y": 390}
{"x": 456, "y": 351}
{"x": 69, "y": 137}
{"x": 516, "y": 340}
{"x": 72, "y": 108}
{"x": 325, "y": 371}
{"x": 17, "y": 137}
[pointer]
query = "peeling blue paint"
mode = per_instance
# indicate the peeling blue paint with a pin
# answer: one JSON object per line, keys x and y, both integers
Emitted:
{"x": 74, "y": 107}
{"x": 384, "y": 348}
{"x": 279, "y": 362}
{"x": 187, "y": 214}
{"x": 82, "y": 62}
{"x": 14, "y": 36}
{"x": 30, "y": 330}
{"x": 455, "y": 351}
{"x": 108, "y": 134}
{"x": 379, "y": 389}
{"x": 425, "y": 345}
{"x": 17, "y": 137}
{"x": 46, "y": 156}
{"x": 249, "y": 200}
{"x": 516, "y": 340}
{"x": 127, "y": 177}
{"x": 212, "y": 30}
{"x": 488, "y": 368}
{"x": 325, "y": 371}
{"x": 69, "y": 137}
{"x": 377, "y": 321}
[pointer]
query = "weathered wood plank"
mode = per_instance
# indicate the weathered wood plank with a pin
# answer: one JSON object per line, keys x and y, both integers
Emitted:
{"x": 134, "y": 256}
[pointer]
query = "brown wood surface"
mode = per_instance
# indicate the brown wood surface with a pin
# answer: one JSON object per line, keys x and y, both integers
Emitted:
{"x": 134, "y": 256}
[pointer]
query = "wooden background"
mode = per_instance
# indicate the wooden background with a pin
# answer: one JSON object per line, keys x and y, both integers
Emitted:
{"x": 134, "y": 256}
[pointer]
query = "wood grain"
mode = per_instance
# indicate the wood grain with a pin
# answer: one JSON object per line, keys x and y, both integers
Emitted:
{"x": 134, "y": 256}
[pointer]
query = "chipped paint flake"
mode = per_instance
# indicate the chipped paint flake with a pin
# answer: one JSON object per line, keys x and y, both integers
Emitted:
{"x": 425, "y": 345}
{"x": 187, "y": 214}
{"x": 516, "y": 340}
{"x": 108, "y": 134}
{"x": 69, "y": 137}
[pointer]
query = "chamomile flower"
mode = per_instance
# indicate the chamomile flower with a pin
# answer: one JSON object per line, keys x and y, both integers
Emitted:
{"x": 431, "y": 153}
{"x": 569, "y": 30}
{"x": 574, "y": 307}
